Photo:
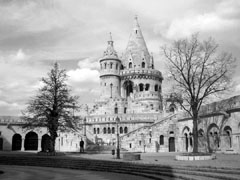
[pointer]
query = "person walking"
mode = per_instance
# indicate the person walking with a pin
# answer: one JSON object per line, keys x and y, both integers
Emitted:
{"x": 81, "y": 146}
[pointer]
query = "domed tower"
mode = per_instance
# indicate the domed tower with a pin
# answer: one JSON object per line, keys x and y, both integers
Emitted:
{"x": 139, "y": 80}
{"x": 109, "y": 72}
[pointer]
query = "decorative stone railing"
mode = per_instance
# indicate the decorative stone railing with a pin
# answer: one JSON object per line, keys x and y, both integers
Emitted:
{"x": 151, "y": 72}
{"x": 144, "y": 117}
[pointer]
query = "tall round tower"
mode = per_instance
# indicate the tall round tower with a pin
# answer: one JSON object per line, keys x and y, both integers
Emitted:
{"x": 139, "y": 80}
{"x": 109, "y": 72}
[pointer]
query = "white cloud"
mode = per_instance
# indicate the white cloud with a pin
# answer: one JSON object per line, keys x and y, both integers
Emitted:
{"x": 91, "y": 63}
{"x": 83, "y": 75}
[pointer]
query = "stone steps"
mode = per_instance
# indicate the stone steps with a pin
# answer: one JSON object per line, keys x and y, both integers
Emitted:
{"x": 149, "y": 171}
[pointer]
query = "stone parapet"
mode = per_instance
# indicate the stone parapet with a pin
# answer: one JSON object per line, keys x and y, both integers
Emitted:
{"x": 148, "y": 73}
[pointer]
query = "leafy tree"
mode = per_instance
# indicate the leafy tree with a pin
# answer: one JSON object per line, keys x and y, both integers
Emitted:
{"x": 53, "y": 106}
{"x": 198, "y": 72}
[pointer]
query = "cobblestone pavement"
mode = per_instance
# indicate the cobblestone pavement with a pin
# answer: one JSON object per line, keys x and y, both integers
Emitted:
{"x": 41, "y": 173}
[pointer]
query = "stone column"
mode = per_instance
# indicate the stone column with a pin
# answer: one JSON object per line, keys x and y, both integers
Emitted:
{"x": 39, "y": 144}
{"x": 22, "y": 147}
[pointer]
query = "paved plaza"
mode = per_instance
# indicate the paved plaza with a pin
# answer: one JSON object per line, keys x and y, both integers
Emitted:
{"x": 158, "y": 166}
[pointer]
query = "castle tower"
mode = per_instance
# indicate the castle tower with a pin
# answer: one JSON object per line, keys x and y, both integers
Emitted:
{"x": 109, "y": 72}
{"x": 139, "y": 80}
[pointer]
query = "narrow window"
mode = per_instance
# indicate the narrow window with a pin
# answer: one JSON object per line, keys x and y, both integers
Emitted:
{"x": 130, "y": 65}
{"x": 105, "y": 65}
{"x": 113, "y": 130}
{"x": 141, "y": 87}
{"x": 156, "y": 87}
{"x": 125, "y": 110}
{"x": 104, "y": 130}
{"x": 111, "y": 65}
{"x": 125, "y": 130}
{"x": 147, "y": 87}
{"x": 116, "y": 110}
{"x": 143, "y": 64}
{"x": 161, "y": 140}
{"x": 117, "y": 66}
{"x": 121, "y": 130}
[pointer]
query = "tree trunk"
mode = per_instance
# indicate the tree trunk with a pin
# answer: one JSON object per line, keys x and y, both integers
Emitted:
{"x": 195, "y": 131}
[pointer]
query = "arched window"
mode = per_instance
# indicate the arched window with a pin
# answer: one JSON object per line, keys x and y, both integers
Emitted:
{"x": 117, "y": 66}
{"x": 104, "y": 130}
{"x": 156, "y": 87}
{"x": 125, "y": 130}
{"x": 111, "y": 65}
{"x": 141, "y": 87}
{"x": 105, "y": 65}
{"x": 161, "y": 140}
{"x": 143, "y": 64}
{"x": 109, "y": 130}
{"x": 121, "y": 130}
{"x": 116, "y": 110}
{"x": 94, "y": 130}
{"x": 227, "y": 132}
{"x": 98, "y": 130}
{"x": 125, "y": 110}
{"x": 130, "y": 65}
{"x": 113, "y": 130}
{"x": 147, "y": 87}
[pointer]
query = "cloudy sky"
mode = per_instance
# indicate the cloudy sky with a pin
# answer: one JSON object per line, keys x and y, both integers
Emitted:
{"x": 35, "y": 33}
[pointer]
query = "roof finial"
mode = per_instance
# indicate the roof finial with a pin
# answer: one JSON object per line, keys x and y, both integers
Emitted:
{"x": 110, "y": 36}
{"x": 136, "y": 21}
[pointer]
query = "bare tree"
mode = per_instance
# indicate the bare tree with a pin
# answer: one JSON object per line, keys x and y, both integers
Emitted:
{"x": 53, "y": 106}
{"x": 198, "y": 71}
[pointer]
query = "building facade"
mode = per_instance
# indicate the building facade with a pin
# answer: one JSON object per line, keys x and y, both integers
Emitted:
{"x": 131, "y": 89}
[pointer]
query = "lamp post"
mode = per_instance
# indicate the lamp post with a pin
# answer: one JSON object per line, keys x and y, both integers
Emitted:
{"x": 111, "y": 85}
{"x": 118, "y": 147}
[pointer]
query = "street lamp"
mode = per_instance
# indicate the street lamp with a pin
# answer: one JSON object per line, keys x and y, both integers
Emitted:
{"x": 118, "y": 148}
{"x": 111, "y": 89}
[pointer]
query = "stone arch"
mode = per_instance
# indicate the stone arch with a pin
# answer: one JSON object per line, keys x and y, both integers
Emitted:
{"x": 46, "y": 143}
{"x": 31, "y": 141}
{"x": 227, "y": 137}
{"x": 213, "y": 137}
{"x": 16, "y": 142}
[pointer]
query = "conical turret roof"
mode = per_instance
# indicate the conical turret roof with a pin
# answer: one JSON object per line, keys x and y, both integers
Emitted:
{"x": 136, "y": 48}
{"x": 110, "y": 51}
